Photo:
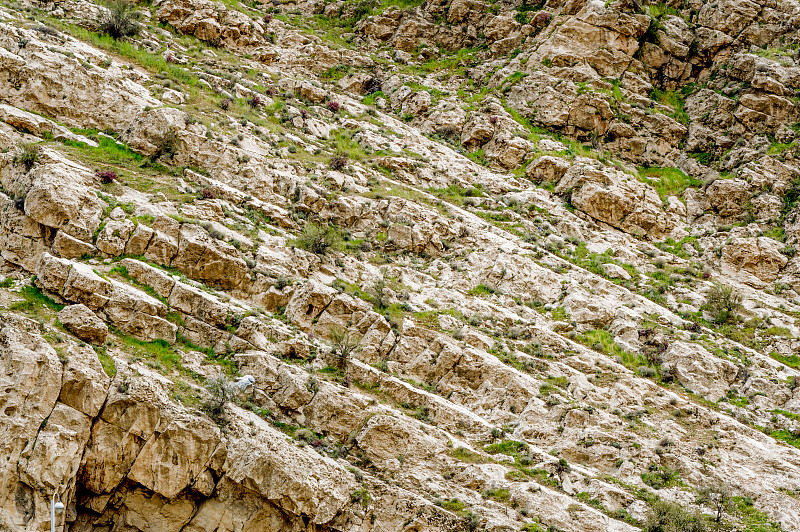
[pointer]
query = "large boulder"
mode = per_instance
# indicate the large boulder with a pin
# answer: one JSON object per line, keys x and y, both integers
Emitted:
{"x": 699, "y": 370}
{"x": 618, "y": 199}
{"x": 132, "y": 310}
{"x": 30, "y": 375}
{"x": 53, "y": 82}
{"x": 297, "y": 479}
{"x": 547, "y": 168}
{"x": 60, "y": 197}
{"x": 85, "y": 382}
{"x": 154, "y": 132}
{"x": 728, "y": 196}
{"x": 760, "y": 257}
{"x": 83, "y": 323}
{"x": 175, "y": 457}
{"x": 208, "y": 259}
{"x": 212, "y": 22}
{"x": 22, "y": 239}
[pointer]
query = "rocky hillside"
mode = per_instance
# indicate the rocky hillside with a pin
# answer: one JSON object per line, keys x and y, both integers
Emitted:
{"x": 393, "y": 265}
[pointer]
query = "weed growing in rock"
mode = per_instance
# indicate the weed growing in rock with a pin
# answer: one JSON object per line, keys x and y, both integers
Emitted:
{"x": 109, "y": 366}
{"x": 379, "y": 294}
{"x": 35, "y": 301}
{"x": 362, "y": 496}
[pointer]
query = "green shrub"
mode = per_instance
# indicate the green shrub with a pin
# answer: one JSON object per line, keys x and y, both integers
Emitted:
{"x": 344, "y": 345}
{"x": 670, "y": 517}
{"x": 659, "y": 477}
{"x": 221, "y": 392}
{"x": 121, "y": 20}
{"x": 28, "y": 155}
{"x": 362, "y": 496}
{"x": 722, "y": 302}
{"x": 317, "y": 238}
{"x": 380, "y": 295}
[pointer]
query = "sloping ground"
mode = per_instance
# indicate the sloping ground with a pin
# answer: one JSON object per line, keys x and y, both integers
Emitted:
{"x": 361, "y": 266}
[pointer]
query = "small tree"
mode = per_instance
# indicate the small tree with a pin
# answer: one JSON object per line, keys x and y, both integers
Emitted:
{"x": 718, "y": 497}
{"x": 561, "y": 467}
{"x": 379, "y": 294}
{"x": 221, "y": 392}
{"x": 344, "y": 345}
{"x": 722, "y": 302}
{"x": 121, "y": 20}
{"x": 317, "y": 238}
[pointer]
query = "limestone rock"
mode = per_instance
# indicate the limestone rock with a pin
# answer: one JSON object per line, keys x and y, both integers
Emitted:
{"x": 760, "y": 257}
{"x": 700, "y": 371}
{"x": 59, "y": 197}
{"x": 547, "y": 168}
{"x": 22, "y": 239}
{"x": 85, "y": 383}
{"x": 31, "y": 374}
{"x": 617, "y": 199}
{"x": 728, "y": 196}
{"x": 155, "y": 132}
{"x": 84, "y": 323}
{"x": 115, "y": 236}
{"x": 173, "y": 459}
{"x": 56, "y": 85}
{"x": 298, "y": 480}
{"x": 205, "y": 258}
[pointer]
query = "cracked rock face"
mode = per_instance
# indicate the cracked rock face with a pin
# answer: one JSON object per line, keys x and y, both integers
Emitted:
{"x": 442, "y": 266}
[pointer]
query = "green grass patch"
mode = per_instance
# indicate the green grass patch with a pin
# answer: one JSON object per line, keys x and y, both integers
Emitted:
{"x": 793, "y": 360}
{"x": 454, "y": 505}
{"x": 753, "y": 519}
{"x": 482, "y": 290}
{"x": 659, "y": 477}
{"x": 674, "y": 99}
{"x": 603, "y": 342}
{"x": 786, "y": 436}
{"x": 465, "y": 455}
{"x": 497, "y": 494}
{"x": 139, "y": 55}
{"x": 109, "y": 366}
{"x": 369, "y": 99}
{"x": 677, "y": 247}
{"x": 34, "y": 301}
{"x": 158, "y": 350}
{"x": 343, "y": 143}
{"x": 776, "y": 148}
{"x": 667, "y": 181}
